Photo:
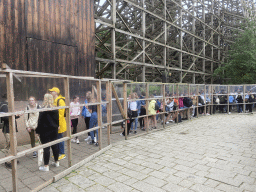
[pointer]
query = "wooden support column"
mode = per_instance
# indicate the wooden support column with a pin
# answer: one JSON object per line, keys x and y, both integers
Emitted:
{"x": 205, "y": 99}
{"x": 181, "y": 42}
{"x": 99, "y": 113}
{"x": 165, "y": 40}
{"x": 228, "y": 99}
{"x": 193, "y": 41}
{"x": 12, "y": 129}
{"x": 177, "y": 97}
{"x": 143, "y": 42}
{"x": 110, "y": 105}
{"x": 212, "y": 53}
{"x": 109, "y": 110}
{"x": 113, "y": 38}
{"x": 212, "y": 99}
{"x": 197, "y": 92}
{"x": 125, "y": 108}
{"x": 67, "y": 102}
{"x": 147, "y": 103}
{"x": 163, "y": 89}
{"x": 204, "y": 40}
{"x": 244, "y": 99}
{"x": 188, "y": 112}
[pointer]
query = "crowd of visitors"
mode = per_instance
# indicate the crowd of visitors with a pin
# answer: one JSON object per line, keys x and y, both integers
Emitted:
{"x": 51, "y": 125}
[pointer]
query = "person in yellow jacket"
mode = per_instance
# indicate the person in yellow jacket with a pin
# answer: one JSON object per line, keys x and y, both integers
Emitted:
{"x": 152, "y": 111}
{"x": 59, "y": 100}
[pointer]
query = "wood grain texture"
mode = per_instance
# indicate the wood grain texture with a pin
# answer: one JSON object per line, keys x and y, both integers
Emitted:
{"x": 48, "y": 36}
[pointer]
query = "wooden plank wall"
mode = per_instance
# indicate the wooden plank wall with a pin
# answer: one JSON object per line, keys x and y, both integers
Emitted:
{"x": 48, "y": 36}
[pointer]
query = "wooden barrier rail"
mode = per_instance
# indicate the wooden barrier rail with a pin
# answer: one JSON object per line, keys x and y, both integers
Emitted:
{"x": 177, "y": 90}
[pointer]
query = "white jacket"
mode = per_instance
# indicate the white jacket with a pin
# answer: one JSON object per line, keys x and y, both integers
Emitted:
{"x": 31, "y": 119}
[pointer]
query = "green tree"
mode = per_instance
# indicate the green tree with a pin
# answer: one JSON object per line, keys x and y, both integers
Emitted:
{"x": 240, "y": 65}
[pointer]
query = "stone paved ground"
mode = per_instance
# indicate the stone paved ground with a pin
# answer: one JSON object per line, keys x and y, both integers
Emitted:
{"x": 213, "y": 153}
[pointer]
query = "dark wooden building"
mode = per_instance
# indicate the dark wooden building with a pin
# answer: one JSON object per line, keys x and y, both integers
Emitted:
{"x": 55, "y": 36}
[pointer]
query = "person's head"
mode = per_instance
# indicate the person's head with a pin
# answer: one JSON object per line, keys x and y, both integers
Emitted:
{"x": 143, "y": 93}
{"x": 32, "y": 101}
{"x": 76, "y": 99}
{"x": 88, "y": 96}
{"x": 48, "y": 101}
{"x": 54, "y": 92}
{"x": 136, "y": 95}
{"x": 133, "y": 96}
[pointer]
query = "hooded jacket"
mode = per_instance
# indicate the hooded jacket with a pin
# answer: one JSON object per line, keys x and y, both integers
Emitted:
{"x": 31, "y": 119}
{"x": 151, "y": 107}
{"x": 62, "y": 120}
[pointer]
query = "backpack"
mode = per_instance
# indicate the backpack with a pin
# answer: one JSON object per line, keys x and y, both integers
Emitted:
{"x": 157, "y": 107}
{"x": 58, "y": 102}
{"x": 1, "y": 122}
{"x": 38, "y": 107}
{"x": 222, "y": 99}
{"x": 187, "y": 102}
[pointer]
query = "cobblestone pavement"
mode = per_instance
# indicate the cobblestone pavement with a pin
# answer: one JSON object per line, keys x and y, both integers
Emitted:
{"x": 213, "y": 153}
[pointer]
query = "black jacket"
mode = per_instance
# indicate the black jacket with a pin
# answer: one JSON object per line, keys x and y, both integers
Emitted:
{"x": 48, "y": 122}
{"x": 4, "y": 109}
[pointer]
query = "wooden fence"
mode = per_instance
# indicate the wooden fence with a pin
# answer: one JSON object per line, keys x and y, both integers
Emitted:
{"x": 116, "y": 91}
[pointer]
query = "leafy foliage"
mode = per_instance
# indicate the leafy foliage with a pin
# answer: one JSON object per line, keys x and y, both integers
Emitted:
{"x": 240, "y": 67}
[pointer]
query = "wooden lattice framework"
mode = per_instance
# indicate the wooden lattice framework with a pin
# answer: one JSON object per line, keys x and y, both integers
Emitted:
{"x": 145, "y": 40}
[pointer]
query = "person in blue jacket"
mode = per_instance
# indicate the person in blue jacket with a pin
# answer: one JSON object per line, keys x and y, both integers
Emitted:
{"x": 86, "y": 114}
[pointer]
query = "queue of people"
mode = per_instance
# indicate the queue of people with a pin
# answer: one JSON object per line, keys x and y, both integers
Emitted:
{"x": 51, "y": 125}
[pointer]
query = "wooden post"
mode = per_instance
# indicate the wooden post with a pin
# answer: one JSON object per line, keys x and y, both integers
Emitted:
{"x": 12, "y": 129}
{"x": 244, "y": 99}
{"x": 147, "y": 103}
{"x": 99, "y": 113}
{"x": 228, "y": 100}
{"x": 110, "y": 105}
{"x": 212, "y": 99}
{"x": 163, "y": 115}
{"x": 188, "y": 112}
{"x": 205, "y": 99}
{"x": 125, "y": 108}
{"x": 197, "y": 88}
{"x": 67, "y": 102}
{"x": 177, "y": 96}
{"x": 109, "y": 114}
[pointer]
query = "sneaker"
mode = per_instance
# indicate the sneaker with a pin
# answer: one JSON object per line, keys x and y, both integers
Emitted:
{"x": 73, "y": 140}
{"x": 96, "y": 144}
{"x": 121, "y": 134}
{"x": 207, "y": 114}
{"x": 77, "y": 141}
{"x": 167, "y": 122}
{"x": 63, "y": 156}
{"x": 135, "y": 132}
{"x": 143, "y": 129}
{"x": 34, "y": 154}
{"x": 229, "y": 113}
{"x": 56, "y": 164}
{"x": 88, "y": 138}
{"x": 90, "y": 142}
{"x": 44, "y": 168}
{"x": 8, "y": 165}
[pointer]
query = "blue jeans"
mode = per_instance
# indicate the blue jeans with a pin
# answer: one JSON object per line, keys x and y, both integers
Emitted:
{"x": 136, "y": 125}
{"x": 61, "y": 144}
{"x": 93, "y": 123}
